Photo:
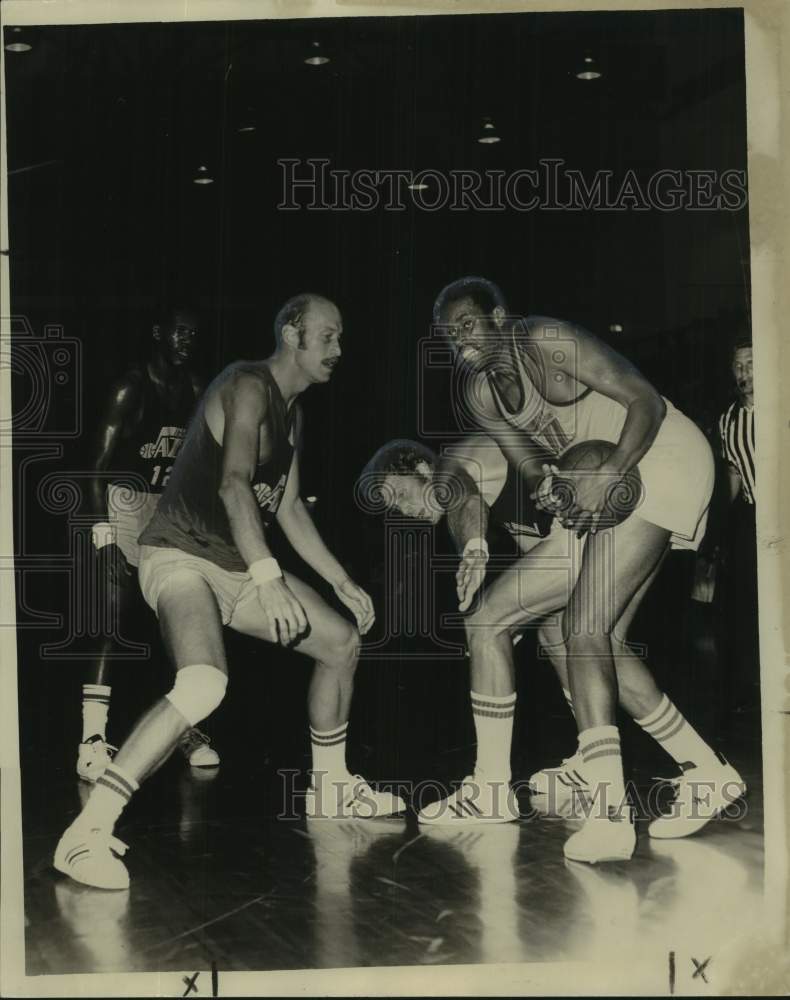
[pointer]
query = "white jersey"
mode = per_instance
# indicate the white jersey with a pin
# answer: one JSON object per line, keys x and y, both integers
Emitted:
{"x": 677, "y": 470}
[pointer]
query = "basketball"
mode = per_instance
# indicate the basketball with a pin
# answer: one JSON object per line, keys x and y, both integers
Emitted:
{"x": 623, "y": 496}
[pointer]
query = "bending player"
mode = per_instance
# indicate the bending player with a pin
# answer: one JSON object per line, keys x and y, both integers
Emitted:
{"x": 206, "y": 563}
{"x": 540, "y": 386}
{"x": 139, "y": 435}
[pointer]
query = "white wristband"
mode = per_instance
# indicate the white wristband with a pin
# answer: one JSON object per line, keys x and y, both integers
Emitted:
{"x": 264, "y": 570}
{"x": 476, "y": 544}
{"x": 103, "y": 533}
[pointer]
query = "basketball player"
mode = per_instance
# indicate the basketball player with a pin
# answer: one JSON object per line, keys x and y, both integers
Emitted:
{"x": 139, "y": 434}
{"x": 206, "y": 563}
{"x": 541, "y": 385}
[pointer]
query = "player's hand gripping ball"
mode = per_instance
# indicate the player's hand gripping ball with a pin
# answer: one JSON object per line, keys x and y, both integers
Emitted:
{"x": 560, "y": 493}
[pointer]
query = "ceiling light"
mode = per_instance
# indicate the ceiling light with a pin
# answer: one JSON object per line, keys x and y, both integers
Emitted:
{"x": 589, "y": 70}
{"x": 247, "y": 122}
{"x": 17, "y": 42}
{"x": 202, "y": 176}
{"x": 316, "y": 57}
{"x": 615, "y": 327}
{"x": 489, "y": 133}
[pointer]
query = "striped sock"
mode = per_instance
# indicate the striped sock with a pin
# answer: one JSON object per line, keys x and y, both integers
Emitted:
{"x": 569, "y": 700}
{"x": 112, "y": 791}
{"x": 603, "y": 764}
{"x": 95, "y": 706}
{"x": 493, "y": 717}
{"x": 680, "y": 740}
{"x": 329, "y": 752}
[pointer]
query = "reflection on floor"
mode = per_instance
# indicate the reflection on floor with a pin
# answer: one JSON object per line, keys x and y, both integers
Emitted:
{"x": 217, "y": 878}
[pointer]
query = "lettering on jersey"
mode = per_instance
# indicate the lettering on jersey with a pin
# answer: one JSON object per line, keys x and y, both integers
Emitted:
{"x": 536, "y": 417}
{"x": 531, "y": 530}
{"x": 268, "y": 498}
{"x": 167, "y": 444}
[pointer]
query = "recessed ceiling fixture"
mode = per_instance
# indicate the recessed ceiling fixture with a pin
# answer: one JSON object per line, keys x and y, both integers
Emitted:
{"x": 202, "y": 176}
{"x": 615, "y": 327}
{"x": 589, "y": 70}
{"x": 17, "y": 41}
{"x": 488, "y": 135}
{"x": 247, "y": 122}
{"x": 316, "y": 57}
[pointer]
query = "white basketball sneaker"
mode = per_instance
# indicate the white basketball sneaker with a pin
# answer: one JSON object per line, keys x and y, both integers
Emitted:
{"x": 701, "y": 793}
{"x": 607, "y": 837}
{"x": 477, "y": 801}
{"x": 93, "y": 756}
{"x": 92, "y": 857}
{"x": 350, "y": 798}
{"x": 562, "y": 781}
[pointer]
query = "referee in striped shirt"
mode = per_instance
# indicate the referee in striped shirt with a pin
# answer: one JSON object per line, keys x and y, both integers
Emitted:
{"x": 739, "y": 597}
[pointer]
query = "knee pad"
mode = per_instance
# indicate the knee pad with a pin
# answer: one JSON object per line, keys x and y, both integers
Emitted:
{"x": 198, "y": 690}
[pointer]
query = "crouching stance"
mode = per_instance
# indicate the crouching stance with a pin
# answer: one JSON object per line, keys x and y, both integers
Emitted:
{"x": 205, "y": 563}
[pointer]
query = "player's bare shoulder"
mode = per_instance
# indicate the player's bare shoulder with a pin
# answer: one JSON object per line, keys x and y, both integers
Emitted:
{"x": 125, "y": 397}
{"x": 241, "y": 389}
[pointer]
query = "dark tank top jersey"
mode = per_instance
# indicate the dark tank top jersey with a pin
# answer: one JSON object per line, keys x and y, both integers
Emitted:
{"x": 191, "y": 515}
{"x": 151, "y": 449}
{"x": 516, "y": 512}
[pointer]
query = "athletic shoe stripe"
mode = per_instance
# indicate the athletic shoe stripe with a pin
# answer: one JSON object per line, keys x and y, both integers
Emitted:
{"x": 599, "y": 743}
{"x": 667, "y": 708}
{"x": 128, "y": 783}
{"x": 454, "y": 807}
{"x": 73, "y": 857}
{"x": 79, "y": 849}
{"x": 328, "y": 743}
{"x": 664, "y": 728}
{"x": 99, "y": 699}
{"x": 493, "y": 715}
{"x": 579, "y": 779}
{"x": 473, "y": 805}
{"x": 601, "y": 753}
{"x": 674, "y": 732}
{"x": 566, "y": 779}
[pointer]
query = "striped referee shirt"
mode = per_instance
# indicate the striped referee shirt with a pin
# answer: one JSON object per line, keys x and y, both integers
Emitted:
{"x": 736, "y": 428}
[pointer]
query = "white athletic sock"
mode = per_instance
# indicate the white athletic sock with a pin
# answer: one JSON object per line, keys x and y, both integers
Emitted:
{"x": 329, "y": 753}
{"x": 493, "y": 717}
{"x": 680, "y": 740}
{"x": 95, "y": 706}
{"x": 603, "y": 764}
{"x": 112, "y": 791}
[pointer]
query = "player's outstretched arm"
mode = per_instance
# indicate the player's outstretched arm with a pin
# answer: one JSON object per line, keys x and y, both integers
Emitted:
{"x": 467, "y": 520}
{"x": 244, "y": 406}
{"x": 300, "y": 530}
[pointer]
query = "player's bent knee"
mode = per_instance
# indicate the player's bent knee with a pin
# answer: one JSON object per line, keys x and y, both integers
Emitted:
{"x": 344, "y": 651}
{"x": 198, "y": 690}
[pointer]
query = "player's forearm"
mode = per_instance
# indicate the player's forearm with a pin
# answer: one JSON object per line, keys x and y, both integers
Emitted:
{"x": 642, "y": 423}
{"x": 244, "y": 519}
{"x": 468, "y": 520}
{"x": 300, "y": 530}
